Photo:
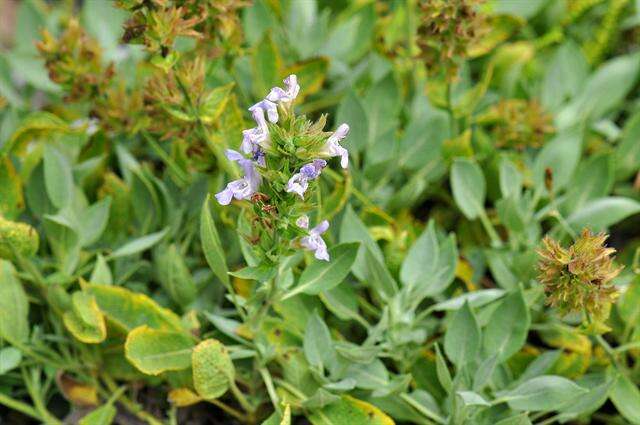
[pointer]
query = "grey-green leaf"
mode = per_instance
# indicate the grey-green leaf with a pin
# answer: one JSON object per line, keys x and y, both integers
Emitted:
{"x": 469, "y": 187}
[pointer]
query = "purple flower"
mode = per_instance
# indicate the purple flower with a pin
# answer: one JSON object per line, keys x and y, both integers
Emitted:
{"x": 299, "y": 182}
{"x": 314, "y": 241}
{"x": 332, "y": 147}
{"x": 242, "y": 188}
{"x": 267, "y": 106}
{"x": 279, "y": 95}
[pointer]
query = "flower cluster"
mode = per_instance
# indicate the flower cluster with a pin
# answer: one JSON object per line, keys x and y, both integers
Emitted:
{"x": 281, "y": 157}
{"x": 578, "y": 278}
{"x": 74, "y": 60}
{"x": 447, "y": 27}
{"x": 158, "y": 23}
{"x": 518, "y": 123}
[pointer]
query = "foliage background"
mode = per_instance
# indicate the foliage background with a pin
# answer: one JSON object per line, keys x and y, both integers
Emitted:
{"x": 472, "y": 137}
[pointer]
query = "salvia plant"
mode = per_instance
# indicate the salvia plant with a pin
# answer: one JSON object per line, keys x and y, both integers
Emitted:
{"x": 279, "y": 212}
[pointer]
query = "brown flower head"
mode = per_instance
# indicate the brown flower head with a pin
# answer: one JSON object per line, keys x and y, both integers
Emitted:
{"x": 578, "y": 278}
{"x": 446, "y": 29}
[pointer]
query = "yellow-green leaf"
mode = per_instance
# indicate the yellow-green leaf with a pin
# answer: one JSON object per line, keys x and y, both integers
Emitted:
{"x": 154, "y": 351}
{"x": 85, "y": 321}
{"x": 350, "y": 411}
{"x": 213, "y": 369}
{"x": 128, "y": 309}
{"x": 14, "y": 307}
{"x": 17, "y": 238}
{"x": 11, "y": 198}
{"x": 35, "y": 125}
{"x": 182, "y": 397}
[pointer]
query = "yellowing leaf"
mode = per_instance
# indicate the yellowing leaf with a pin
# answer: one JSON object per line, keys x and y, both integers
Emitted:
{"x": 17, "y": 238}
{"x": 350, "y": 411}
{"x": 85, "y": 321}
{"x": 35, "y": 125}
{"x": 128, "y": 309}
{"x": 182, "y": 397}
{"x": 11, "y": 199}
{"x": 78, "y": 393}
{"x": 154, "y": 351}
{"x": 311, "y": 74}
{"x": 213, "y": 369}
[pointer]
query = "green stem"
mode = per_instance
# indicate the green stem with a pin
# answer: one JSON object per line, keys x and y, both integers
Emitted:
{"x": 20, "y": 407}
{"x": 230, "y": 410}
{"x": 129, "y": 404}
{"x": 275, "y": 400}
{"x": 626, "y": 347}
{"x": 496, "y": 242}
{"x": 240, "y": 397}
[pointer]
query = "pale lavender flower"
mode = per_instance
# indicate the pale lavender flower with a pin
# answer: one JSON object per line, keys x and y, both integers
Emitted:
{"x": 314, "y": 241}
{"x": 333, "y": 148}
{"x": 269, "y": 107}
{"x": 303, "y": 222}
{"x": 279, "y": 95}
{"x": 258, "y": 136}
{"x": 299, "y": 182}
{"x": 242, "y": 188}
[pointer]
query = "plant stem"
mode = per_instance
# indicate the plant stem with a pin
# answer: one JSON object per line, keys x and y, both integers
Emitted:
{"x": 230, "y": 410}
{"x": 496, "y": 242}
{"x": 19, "y": 406}
{"x": 275, "y": 400}
{"x": 240, "y": 397}
{"x": 129, "y": 404}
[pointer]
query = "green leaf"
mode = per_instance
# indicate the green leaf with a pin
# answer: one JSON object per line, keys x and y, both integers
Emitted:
{"x": 58, "y": 177}
{"x": 470, "y": 398}
{"x": 377, "y": 275}
{"x": 85, "y": 321}
{"x": 628, "y": 150}
{"x": 103, "y": 415}
{"x": 92, "y": 221}
{"x": 560, "y": 156}
{"x": 323, "y": 275}
{"x": 442, "y": 371}
{"x": 603, "y": 212}
{"x": 174, "y": 275}
{"x": 318, "y": 346}
{"x": 510, "y": 179}
{"x": 462, "y": 338}
{"x": 267, "y": 66}
{"x": 101, "y": 272}
{"x": 14, "y": 307}
{"x": 352, "y": 229}
{"x": 625, "y": 395}
{"x": 543, "y": 393}
{"x": 211, "y": 245}
{"x": 10, "y": 358}
{"x": 129, "y": 310}
{"x": 508, "y": 326}
{"x": 213, "y": 369}
{"x": 593, "y": 179}
{"x": 138, "y": 245}
{"x": 469, "y": 187}
{"x": 154, "y": 351}
{"x": 420, "y": 263}
{"x": 351, "y": 111}
{"x": 604, "y": 90}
